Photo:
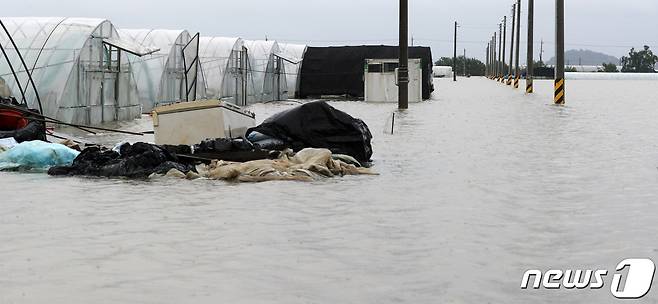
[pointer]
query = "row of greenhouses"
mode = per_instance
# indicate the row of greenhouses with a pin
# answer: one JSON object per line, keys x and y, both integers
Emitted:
{"x": 87, "y": 71}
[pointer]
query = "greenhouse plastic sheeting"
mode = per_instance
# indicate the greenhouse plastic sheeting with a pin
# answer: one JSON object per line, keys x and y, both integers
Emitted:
{"x": 161, "y": 76}
{"x": 225, "y": 67}
{"x": 268, "y": 71}
{"x": 36, "y": 155}
{"x": 294, "y": 53}
{"x": 80, "y": 78}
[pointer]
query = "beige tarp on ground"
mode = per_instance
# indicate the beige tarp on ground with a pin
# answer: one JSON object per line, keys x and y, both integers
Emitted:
{"x": 306, "y": 165}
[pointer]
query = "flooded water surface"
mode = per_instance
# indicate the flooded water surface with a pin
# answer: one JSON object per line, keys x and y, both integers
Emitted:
{"x": 476, "y": 186}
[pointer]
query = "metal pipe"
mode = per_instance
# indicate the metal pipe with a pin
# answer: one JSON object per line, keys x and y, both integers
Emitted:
{"x": 13, "y": 72}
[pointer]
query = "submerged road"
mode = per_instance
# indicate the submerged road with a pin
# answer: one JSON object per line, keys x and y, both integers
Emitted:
{"x": 477, "y": 185}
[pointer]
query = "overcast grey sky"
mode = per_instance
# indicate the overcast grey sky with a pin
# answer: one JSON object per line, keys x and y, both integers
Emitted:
{"x": 610, "y": 26}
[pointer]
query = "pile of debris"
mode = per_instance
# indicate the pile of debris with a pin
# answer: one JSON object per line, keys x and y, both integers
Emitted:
{"x": 305, "y": 143}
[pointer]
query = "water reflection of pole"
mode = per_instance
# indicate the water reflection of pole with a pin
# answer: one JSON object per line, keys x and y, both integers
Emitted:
{"x": 403, "y": 67}
{"x": 530, "y": 65}
{"x": 559, "y": 52}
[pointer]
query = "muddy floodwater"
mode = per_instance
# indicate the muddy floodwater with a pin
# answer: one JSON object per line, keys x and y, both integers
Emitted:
{"x": 477, "y": 185}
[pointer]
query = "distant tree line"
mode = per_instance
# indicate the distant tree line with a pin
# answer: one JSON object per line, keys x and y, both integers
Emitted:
{"x": 643, "y": 61}
{"x": 474, "y": 67}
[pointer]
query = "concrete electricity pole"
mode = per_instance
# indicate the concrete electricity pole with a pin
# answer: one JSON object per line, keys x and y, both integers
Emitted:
{"x": 500, "y": 51}
{"x": 529, "y": 89}
{"x": 403, "y": 67}
{"x": 486, "y": 62}
{"x": 495, "y": 55}
{"x": 511, "y": 53}
{"x": 464, "y": 62}
{"x": 504, "y": 45}
{"x": 454, "y": 57}
{"x": 518, "y": 43}
{"x": 559, "y": 52}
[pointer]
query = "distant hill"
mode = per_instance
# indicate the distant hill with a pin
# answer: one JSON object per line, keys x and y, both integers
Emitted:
{"x": 585, "y": 57}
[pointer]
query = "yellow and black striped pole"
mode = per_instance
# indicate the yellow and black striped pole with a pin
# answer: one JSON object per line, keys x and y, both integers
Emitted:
{"x": 518, "y": 44}
{"x": 559, "y": 52}
{"x": 529, "y": 89}
{"x": 559, "y": 91}
{"x": 511, "y": 53}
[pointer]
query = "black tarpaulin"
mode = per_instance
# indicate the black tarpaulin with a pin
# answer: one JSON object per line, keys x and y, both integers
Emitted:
{"x": 319, "y": 125}
{"x": 339, "y": 70}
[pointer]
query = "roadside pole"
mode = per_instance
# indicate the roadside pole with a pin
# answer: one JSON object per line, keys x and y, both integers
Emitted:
{"x": 454, "y": 57}
{"x": 500, "y": 51}
{"x": 486, "y": 62}
{"x": 529, "y": 89}
{"x": 511, "y": 54}
{"x": 464, "y": 62}
{"x": 518, "y": 44}
{"x": 504, "y": 45}
{"x": 403, "y": 67}
{"x": 559, "y": 96}
{"x": 495, "y": 58}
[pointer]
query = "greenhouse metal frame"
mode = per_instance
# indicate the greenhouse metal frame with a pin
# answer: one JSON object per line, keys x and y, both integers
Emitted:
{"x": 170, "y": 75}
{"x": 294, "y": 56}
{"x": 80, "y": 67}
{"x": 226, "y": 69}
{"x": 267, "y": 67}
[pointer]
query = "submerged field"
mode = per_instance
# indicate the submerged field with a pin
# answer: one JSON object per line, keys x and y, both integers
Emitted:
{"x": 477, "y": 185}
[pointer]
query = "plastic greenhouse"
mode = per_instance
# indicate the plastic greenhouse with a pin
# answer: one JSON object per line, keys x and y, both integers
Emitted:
{"x": 169, "y": 75}
{"x": 266, "y": 66}
{"x": 225, "y": 68}
{"x": 80, "y": 67}
{"x": 294, "y": 55}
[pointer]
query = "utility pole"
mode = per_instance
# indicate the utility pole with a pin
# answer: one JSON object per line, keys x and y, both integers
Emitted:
{"x": 504, "y": 46}
{"x": 486, "y": 67}
{"x": 490, "y": 57}
{"x": 500, "y": 51}
{"x": 559, "y": 52}
{"x": 495, "y": 57}
{"x": 541, "y": 51}
{"x": 518, "y": 43}
{"x": 454, "y": 57}
{"x": 529, "y": 89}
{"x": 403, "y": 67}
{"x": 464, "y": 62}
{"x": 511, "y": 53}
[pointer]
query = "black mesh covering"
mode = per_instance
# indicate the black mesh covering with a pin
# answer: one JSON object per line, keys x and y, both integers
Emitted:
{"x": 339, "y": 70}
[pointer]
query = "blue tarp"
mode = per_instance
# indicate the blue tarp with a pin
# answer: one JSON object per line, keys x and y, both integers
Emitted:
{"x": 36, "y": 155}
